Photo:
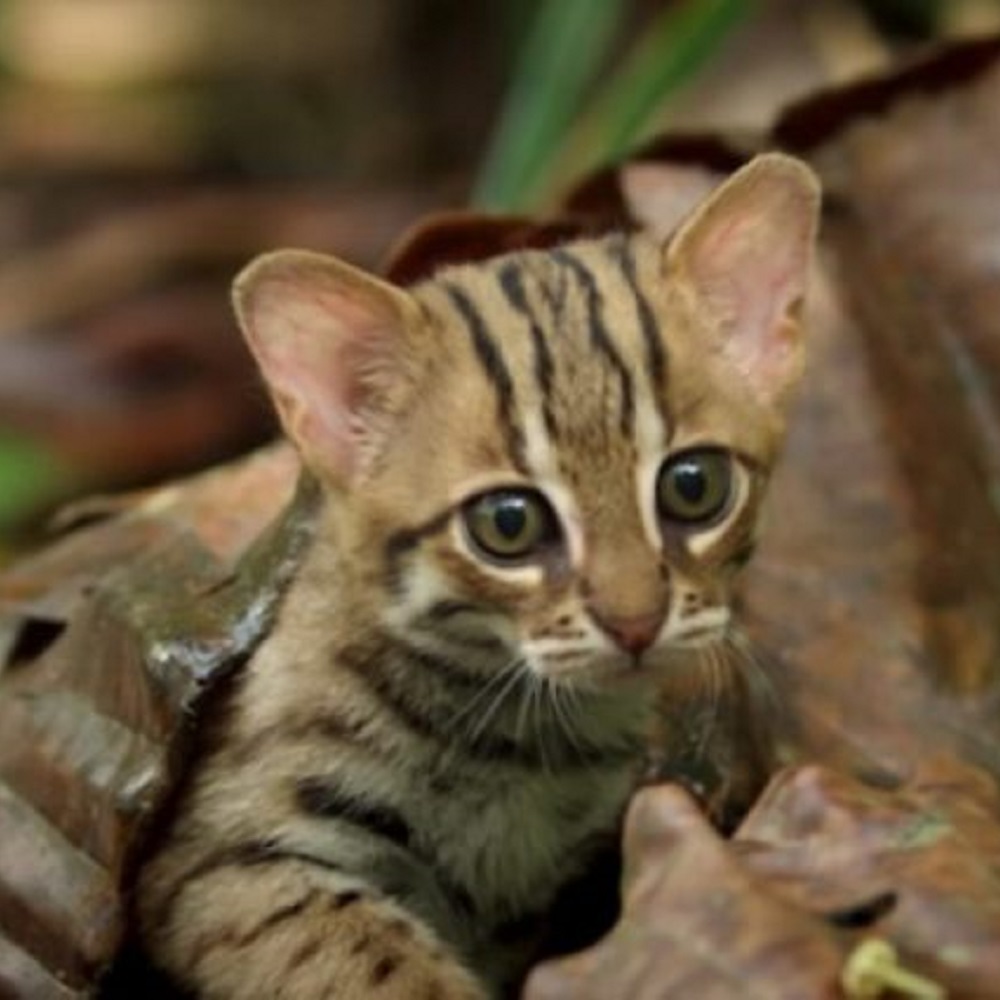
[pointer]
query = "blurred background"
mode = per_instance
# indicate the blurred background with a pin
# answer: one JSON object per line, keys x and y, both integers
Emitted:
{"x": 148, "y": 148}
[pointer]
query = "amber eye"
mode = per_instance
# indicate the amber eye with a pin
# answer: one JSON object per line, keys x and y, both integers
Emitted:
{"x": 695, "y": 486}
{"x": 510, "y": 524}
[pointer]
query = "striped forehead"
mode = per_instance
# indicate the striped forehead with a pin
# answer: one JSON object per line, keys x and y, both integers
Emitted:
{"x": 571, "y": 348}
{"x": 571, "y": 353}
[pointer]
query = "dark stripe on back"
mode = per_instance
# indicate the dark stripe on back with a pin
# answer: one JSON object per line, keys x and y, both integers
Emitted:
{"x": 321, "y": 797}
{"x": 488, "y": 352}
{"x": 600, "y": 338}
{"x": 513, "y": 287}
{"x": 623, "y": 250}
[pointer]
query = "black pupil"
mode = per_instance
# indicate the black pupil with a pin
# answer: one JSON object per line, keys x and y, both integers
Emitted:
{"x": 509, "y": 518}
{"x": 690, "y": 483}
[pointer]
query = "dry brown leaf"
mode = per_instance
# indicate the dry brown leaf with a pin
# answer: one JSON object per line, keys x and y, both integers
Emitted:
{"x": 696, "y": 923}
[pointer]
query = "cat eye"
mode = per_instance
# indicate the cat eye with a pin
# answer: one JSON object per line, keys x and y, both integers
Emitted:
{"x": 510, "y": 524}
{"x": 695, "y": 486}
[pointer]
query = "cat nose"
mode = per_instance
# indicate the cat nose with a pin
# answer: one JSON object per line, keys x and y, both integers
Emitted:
{"x": 632, "y": 633}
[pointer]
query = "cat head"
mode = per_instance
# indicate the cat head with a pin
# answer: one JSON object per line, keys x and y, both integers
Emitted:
{"x": 559, "y": 455}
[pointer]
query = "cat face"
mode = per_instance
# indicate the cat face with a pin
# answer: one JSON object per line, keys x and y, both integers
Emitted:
{"x": 556, "y": 456}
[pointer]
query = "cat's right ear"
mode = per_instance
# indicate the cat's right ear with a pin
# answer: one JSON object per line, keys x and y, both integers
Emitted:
{"x": 330, "y": 343}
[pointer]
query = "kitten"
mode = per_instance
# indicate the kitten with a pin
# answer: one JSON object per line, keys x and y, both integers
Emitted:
{"x": 539, "y": 475}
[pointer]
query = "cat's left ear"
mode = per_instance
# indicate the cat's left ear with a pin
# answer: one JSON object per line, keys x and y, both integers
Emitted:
{"x": 745, "y": 255}
{"x": 331, "y": 343}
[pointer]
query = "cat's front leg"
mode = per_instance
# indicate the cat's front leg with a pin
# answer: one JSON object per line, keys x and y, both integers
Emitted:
{"x": 286, "y": 929}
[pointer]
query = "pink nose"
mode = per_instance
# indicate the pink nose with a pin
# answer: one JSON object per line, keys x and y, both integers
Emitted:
{"x": 634, "y": 634}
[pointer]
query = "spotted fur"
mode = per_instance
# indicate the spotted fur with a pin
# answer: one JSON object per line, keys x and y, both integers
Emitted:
{"x": 431, "y": 744}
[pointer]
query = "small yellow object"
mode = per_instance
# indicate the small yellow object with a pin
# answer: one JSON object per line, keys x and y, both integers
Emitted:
{"x": 873, "y": 969}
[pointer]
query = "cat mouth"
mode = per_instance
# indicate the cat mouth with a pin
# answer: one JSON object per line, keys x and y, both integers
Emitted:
{"x": 613, "y": 668}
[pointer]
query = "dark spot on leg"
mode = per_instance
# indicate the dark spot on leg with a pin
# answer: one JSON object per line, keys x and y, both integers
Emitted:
{"x": 385, "y": 967}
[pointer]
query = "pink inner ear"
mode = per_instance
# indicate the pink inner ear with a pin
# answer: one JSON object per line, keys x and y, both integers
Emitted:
{"x": 745, "y": 256}
{"x": 317, "y": 349}
{"x": 750, "y": 274}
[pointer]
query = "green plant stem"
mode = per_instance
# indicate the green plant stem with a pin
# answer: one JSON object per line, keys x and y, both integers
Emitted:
{"x": 671, "y": 50}
{"x": 674, "y": 48}
{"x": 565, "y": 46}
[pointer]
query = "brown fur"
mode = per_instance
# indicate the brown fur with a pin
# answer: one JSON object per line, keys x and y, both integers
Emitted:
{"x": 432, "y": 742}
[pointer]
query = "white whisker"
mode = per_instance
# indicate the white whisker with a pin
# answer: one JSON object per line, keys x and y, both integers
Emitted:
{"x": 516, "y": 673}
{"x": 760, "y": 673}
{"x": 526, "y": 690}
{"x": 479, "y": 695}
{"x": 563, "y": 713}
{"x": 538, "y": 695}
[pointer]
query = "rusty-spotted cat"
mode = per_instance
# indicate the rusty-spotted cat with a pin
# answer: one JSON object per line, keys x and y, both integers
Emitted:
{"x": 539, "y": 475}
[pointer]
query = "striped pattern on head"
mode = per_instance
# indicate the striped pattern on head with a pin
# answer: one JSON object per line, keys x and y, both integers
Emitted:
{"x": 554, "y": 456}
